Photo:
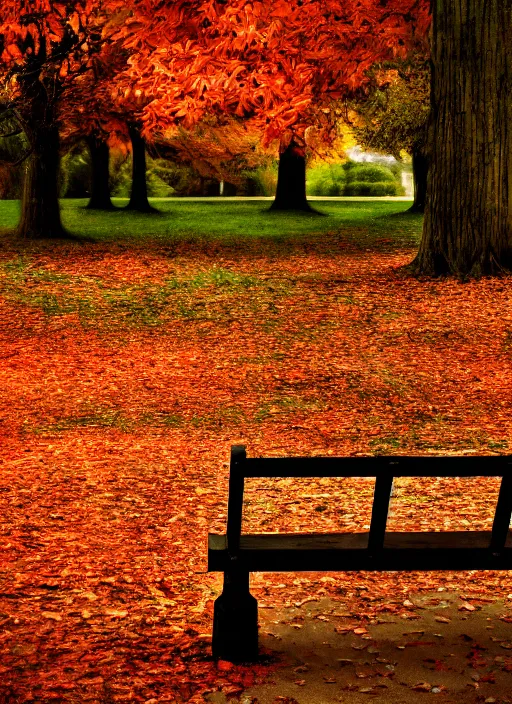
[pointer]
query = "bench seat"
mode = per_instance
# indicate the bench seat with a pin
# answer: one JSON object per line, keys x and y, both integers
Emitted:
{"x": 274, "y": 552}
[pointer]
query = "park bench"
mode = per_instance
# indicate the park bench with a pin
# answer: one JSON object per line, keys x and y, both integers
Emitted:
{"x": 235, "y": 623}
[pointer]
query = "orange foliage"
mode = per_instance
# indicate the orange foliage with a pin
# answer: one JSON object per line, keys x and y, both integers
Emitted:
{"x": 277, "y": 61}
{"x": 175, "y": 62}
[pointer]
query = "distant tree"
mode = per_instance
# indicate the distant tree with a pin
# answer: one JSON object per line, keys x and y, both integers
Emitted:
{"x": 223, "y": 151}
{"x": 468, "y": 216}
{"x": 91, "y": 115}
{"x": 14, "y": 149}
{"x": 393, "y": 117}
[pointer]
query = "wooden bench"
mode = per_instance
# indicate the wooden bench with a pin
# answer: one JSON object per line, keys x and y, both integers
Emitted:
{"x": 235, "y": 623}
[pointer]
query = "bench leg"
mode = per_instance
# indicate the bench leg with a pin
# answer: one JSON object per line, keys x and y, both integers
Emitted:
{"x": 235, "y": 620}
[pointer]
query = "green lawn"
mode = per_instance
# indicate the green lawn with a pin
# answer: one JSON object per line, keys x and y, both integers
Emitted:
{"x": 360, "y": 222}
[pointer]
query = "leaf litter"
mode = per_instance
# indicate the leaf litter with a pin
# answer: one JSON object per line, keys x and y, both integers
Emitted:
{"x": 116, "y": 435}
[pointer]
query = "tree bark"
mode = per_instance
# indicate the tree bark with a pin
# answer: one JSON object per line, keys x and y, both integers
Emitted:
{"x": 420, "y": 173}
{"x": 40, "y": 209}
{"x": 100, "y": 175}
{"x": 139, "y": 193}
{"x": 468, "y": 216}
{"x": 291, "y": 180}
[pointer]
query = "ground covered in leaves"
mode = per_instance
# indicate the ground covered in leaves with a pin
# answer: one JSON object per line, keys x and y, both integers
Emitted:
{"x": 128, "y": 370}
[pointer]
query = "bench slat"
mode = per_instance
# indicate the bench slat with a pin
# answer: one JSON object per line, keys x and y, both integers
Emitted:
{"x": 380, "y": 510}
{"x": 398, "y": 466}
{"x": 235, "y": 498}
{"x": 501, "y": 524}
{"x": 272, "y": 552}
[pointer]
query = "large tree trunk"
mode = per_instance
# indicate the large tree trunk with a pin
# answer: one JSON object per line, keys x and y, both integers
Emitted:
{"x": 100, "y": 175}
{"x": 40, "y": 210}
{"x": 420, "y": 173}
{"x": 139, "y": 193}
{"x": 468, "y": 217}
{"x": 291, "y": 180}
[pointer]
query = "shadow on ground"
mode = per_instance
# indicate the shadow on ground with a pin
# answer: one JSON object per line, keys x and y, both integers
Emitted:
{"x": 444, "y": 649}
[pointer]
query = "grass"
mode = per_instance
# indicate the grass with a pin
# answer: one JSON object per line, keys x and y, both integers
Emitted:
{"x": 138, "y": 304}
{"x": 229, "y": 222}
{"x": 180, "y": 229}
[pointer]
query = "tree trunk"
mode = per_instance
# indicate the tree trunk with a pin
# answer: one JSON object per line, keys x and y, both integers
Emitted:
{"x": 100, "y": 187}
{"x": 420, "y": 173}
{"x": 139, "y": 193}
{"x": 40, "y": 209}
{"x": 291, "y": 180}
{"x": 468, "y": 216}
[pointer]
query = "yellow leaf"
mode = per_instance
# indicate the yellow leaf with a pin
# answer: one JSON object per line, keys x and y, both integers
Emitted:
{"x": 116, "y": 614}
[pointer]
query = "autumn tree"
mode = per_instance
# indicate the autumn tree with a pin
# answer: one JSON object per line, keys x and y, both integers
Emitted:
{"x": 115, "y": 117}
{"x": 88, "y": 118}
{"x": 157, "y": 91}
{"x": 44, "y": 46}
{"x": 277, "y": 62}
{"x": 393, "y": 117}
{"x": 322, "y": 52}
{"x": 468, "y": 218}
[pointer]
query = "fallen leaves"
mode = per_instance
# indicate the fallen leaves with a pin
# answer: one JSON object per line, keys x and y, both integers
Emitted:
{"x": 422, "y": 687}
{"x": 115, "y": 440}
{"x": 466, "y": 606}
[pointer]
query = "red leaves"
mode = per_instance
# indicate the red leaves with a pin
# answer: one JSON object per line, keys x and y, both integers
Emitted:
{"x": 258, "y": 57}
{"x": 116, "y": 434}
{"x": 224, "y": 666}
{"x": 173, "y": 63}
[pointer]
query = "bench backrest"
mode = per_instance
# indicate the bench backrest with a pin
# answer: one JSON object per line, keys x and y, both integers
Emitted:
{"x": 384, "y": 469}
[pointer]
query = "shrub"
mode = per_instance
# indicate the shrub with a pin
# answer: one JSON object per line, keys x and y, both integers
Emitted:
{"x": 354, "y": 179}
{"x": 259, "y": 182}
{"x": 75, "y": 174}
{"x": 367, "y": 188}
{"x": 325, "y": 180}
{"x": 370, "y": 173}
{"x": 159, "y": 173}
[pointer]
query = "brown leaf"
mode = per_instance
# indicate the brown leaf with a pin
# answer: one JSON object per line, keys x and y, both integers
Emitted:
{"x": 422, "y": 687}
{"x": 466, "y": 606}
